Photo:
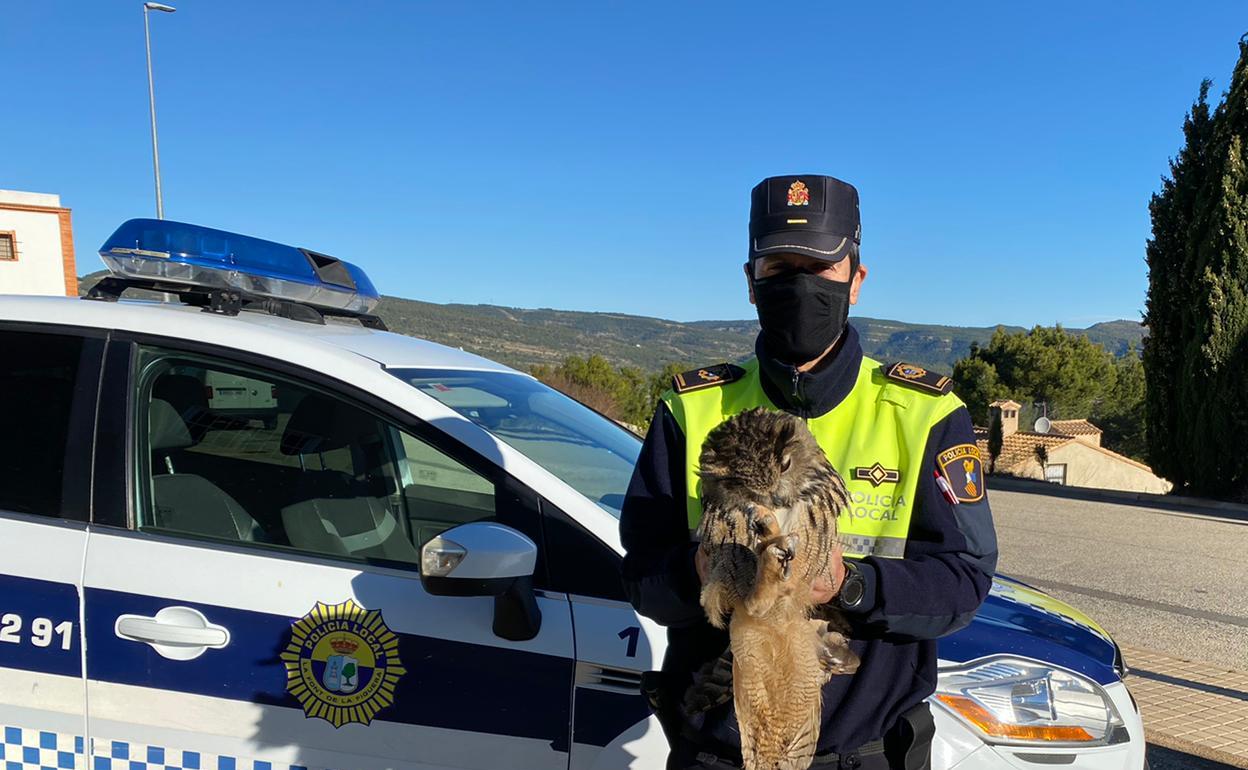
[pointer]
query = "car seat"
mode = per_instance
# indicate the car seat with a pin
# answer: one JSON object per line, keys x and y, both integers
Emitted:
{"x": 184, "y": 502}
{"x": 188, "y": 398}
{"x": 340, "y": 513}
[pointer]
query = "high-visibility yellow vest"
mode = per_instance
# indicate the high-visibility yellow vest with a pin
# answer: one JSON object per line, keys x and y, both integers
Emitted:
{"x": 875, "y": 439}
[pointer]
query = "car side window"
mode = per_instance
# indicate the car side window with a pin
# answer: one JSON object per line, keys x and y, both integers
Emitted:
{"x": 440, "y": 492}
{"x": 243, "y": 455}
{"x": 38, "y": 373}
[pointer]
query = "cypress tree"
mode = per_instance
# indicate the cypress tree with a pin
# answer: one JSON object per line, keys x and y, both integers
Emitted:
{"x": 1169, "y": 295}
{"x": 1196, "y": 356}
{"x": 996, "y": 440}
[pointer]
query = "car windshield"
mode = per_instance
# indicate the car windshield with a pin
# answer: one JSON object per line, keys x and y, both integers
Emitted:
{"x": 585, "y": 449}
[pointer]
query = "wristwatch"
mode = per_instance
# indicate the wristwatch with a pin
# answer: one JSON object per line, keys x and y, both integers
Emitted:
{"x": 853, "y": 588}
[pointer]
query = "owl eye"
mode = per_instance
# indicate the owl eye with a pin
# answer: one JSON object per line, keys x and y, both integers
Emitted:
{"x": 785, "y": 462}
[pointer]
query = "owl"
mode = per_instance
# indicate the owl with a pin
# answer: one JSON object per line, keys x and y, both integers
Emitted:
{"x": 770, "y": 500}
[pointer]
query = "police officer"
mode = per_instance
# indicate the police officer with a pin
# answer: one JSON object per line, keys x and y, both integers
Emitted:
{"x": 919, "y": 544}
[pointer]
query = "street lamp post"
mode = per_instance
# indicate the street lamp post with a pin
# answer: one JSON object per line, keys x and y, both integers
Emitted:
{"x": 151, "y": 99}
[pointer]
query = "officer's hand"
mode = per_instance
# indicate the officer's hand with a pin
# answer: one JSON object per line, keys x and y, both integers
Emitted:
{"x": 699, "y": 563}
{"x": 822, "y": 590}
{"x": 825, "y": 587}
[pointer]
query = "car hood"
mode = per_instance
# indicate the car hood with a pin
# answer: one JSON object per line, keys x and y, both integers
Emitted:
{"x": 1017, "y": 619}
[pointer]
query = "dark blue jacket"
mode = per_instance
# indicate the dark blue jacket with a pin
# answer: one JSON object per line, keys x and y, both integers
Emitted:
{"x": 951, "y": 554}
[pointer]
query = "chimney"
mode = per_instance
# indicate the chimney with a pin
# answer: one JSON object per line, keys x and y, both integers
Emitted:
{"x": 1007, "y": 413}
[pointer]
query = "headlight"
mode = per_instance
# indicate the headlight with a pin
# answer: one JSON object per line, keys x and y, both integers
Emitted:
{"x": 1025, "y": 702}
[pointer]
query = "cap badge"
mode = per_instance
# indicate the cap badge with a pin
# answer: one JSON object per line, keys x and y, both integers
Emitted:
{"x": 798, "y": 194}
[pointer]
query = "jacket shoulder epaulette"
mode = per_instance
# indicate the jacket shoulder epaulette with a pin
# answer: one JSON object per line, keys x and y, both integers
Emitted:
{"x": 706, "y": 377}
{"x": 915, "y": 375}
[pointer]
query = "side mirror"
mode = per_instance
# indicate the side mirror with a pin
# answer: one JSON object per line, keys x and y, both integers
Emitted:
{"x": 486, "y": 559}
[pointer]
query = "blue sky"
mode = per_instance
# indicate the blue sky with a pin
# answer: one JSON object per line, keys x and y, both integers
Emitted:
{"x": 599, "y": 156}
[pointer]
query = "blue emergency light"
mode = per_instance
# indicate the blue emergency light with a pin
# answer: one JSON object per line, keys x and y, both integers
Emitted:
{"x": 164, "y": 252}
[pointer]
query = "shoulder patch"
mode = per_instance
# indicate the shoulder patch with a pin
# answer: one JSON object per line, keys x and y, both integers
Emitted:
{"x": 706, "y": 377}
{"x": 917, "y": 376}
{"x": 963, "y": 468}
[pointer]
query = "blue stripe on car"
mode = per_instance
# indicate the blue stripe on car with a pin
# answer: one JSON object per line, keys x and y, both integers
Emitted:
{"x": 602, "y": 716}
{"x": 1005, "y": 627}
{"x": 24, "y": 600}
{"x": 448, "y": 684}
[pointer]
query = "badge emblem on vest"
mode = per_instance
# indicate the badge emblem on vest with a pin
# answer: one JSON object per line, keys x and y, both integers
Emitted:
{"x": 912, "y": 374}
{"x": 720, "y": 374}
{"x": 877, "y": 474}
{"x": 799, "y": 194}
{"x": 964, "y": 470}
{"x": 342, "y": 663}
{"x": 972, "y": 475}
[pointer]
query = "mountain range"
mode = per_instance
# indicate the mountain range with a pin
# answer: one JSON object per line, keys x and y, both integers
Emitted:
{"x": 522, "y": 338}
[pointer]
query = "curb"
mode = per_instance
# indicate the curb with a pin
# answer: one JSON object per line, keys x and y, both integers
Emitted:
{"x": 1195, "y": 749}
{"x": 1196, "y": 504}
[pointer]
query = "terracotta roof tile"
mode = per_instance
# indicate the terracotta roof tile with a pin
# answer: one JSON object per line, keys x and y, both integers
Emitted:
{"x": 1020, "y": 447}
{"x": 1074, "y": 428}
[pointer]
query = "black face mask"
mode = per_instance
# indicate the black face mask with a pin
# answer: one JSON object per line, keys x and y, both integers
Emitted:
{"x": 801, "y": 314}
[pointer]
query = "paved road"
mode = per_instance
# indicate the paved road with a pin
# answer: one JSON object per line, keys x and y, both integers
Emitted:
{"x": 1162, "y": 580}
{"x": 1160, "y": 758}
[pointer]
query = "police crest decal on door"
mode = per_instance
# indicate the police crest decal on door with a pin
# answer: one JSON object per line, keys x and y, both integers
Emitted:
{"x": 342, "y": 663}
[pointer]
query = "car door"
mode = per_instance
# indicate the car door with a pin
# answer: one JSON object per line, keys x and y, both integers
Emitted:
{"x": 254, "y": 599}
{"x": 48, "y": 381}
{"x": 612, "y": 726}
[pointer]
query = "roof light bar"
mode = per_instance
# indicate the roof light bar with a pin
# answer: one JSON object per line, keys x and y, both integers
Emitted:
{"x": 176, "y": 252}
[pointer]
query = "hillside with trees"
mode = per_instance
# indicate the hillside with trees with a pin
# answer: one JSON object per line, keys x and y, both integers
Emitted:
{"x": 619, "y": 363}
{"x": 524, "y": 338}
{"x": 1064, "y": 375}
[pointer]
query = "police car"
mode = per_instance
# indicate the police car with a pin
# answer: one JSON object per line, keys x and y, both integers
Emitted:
{"x": 392, "y": 554}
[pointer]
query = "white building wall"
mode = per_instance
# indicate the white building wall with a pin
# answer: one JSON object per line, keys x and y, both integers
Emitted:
{"x": 1087, "y": 466}
{"x": 40, "y": 267}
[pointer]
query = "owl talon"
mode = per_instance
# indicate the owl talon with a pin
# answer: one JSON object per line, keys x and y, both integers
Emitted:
{"x": 835, "y": 654}
{"x": 784, "y": 551}
{"x": 764, "y": 525}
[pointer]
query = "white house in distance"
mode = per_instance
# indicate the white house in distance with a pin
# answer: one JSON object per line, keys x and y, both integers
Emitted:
{"x": 1075, "y": 456}
{"x": 36, "y": 245}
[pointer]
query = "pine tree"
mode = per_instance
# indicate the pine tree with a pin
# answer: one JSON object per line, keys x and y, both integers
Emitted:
{"x": 976, "y": 383}
{"x": 1196, "y": 356}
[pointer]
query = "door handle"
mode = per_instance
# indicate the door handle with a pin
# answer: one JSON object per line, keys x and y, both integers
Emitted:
{"x": 176, "y": 633}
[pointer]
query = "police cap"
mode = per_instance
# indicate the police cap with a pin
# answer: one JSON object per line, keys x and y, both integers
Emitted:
{"x": 804, "y": 214}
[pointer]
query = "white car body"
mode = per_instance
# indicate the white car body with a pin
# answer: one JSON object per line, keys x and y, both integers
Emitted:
{"x": 140, "y": 706}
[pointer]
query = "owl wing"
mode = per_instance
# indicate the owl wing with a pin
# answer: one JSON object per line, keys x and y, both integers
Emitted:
{"x": 731, "y": 564}
{"x": 815, "y": 522}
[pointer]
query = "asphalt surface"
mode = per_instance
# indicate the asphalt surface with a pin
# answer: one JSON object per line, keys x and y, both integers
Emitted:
{"x": 1160, "y": 758}
{"x": 1171, "y": 581}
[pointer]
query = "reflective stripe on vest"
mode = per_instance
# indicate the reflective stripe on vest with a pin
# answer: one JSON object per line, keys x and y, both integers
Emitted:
{"x": 880, "y": 422}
